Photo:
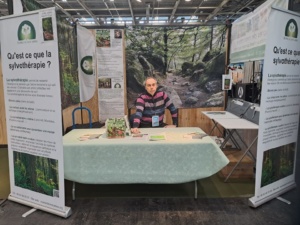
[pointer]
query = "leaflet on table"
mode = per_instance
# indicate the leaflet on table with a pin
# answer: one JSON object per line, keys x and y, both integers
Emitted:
{"x": 139, "y": 136}
{"x": 157, "y": 137}
{"x": 195, "y": 135}
{"x": 217, "y": 112}
{"x": 89, "y": 137}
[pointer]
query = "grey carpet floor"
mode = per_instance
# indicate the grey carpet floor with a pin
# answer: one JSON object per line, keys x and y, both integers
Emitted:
{"x": 165, "y": 211}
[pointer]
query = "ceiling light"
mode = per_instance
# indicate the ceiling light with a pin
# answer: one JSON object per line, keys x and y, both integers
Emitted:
{"x": 187, "y": 0}
{"x": 139, "y": 0}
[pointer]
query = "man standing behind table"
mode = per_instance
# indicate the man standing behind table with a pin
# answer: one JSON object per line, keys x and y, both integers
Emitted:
{"x": 150, "y": 107}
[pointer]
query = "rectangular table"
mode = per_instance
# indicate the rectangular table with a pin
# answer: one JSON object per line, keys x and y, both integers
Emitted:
{"x": 126, "y": 161}
{"x": 213, "y": 115}
{"x": 231, "y": 123}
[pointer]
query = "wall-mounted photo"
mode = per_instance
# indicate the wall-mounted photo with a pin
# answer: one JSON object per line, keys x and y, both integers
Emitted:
{"x": 226, "y": 82}
{"x": 104, "y": 83}
{"x": 103, "y": 38}
{"x": 118, "y": 33}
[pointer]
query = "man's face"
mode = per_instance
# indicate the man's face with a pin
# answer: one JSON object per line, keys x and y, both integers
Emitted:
{"x": 151, "y": 86}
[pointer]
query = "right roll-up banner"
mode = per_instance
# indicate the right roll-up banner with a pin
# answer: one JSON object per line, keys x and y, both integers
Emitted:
{"x": 279, "y": 109}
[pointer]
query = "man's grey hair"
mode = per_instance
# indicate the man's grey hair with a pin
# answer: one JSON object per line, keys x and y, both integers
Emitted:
{"x": 144, "y": 83}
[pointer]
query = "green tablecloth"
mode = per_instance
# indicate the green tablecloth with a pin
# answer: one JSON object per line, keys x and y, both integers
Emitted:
{"x": 120, "y": 161}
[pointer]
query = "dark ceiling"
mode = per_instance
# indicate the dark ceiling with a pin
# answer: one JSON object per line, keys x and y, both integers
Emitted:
{"x": 151, "y": 12}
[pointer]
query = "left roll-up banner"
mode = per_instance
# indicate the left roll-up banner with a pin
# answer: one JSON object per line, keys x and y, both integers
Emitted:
{"x": 30, "y": 67}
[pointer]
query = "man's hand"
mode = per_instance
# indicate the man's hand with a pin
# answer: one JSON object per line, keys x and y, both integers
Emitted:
{"x": 135, "y": 130}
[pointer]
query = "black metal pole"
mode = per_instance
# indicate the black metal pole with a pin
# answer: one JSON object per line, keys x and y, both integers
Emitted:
{"x": 291, "y": 5}
{"x": 10, "y": 7}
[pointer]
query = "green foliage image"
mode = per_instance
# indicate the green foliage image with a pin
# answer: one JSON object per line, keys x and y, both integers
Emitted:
{"x": 47, "y": 29}
{"x": 47, "y": 24}
{"x": 26, "y": 31}
{"x": 103, "y": 38}
{"x": 116, "y": 128}
{"x": 35, "y": 173}
{"x": 71, "y": 87}
{"x": 278, "y": 163}
{"x": 69, "y": 75}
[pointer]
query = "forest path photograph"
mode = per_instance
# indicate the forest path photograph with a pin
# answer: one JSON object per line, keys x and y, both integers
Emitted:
{"x": 186, "y": 89}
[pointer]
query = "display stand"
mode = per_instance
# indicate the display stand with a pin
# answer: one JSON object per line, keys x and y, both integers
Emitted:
{"x": 66, "y": 213}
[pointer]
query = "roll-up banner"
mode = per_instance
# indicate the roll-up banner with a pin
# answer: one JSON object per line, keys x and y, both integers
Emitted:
{"x": 30, "y": 66}
{"x": 279, "y": 109}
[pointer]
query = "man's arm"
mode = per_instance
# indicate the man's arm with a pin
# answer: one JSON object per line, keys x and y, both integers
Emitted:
{"x": 173, "y": 110}
{"x": 140, "y": 105}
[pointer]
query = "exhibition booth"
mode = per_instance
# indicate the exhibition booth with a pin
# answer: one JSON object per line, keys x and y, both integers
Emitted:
{"x": 237, "y": 119}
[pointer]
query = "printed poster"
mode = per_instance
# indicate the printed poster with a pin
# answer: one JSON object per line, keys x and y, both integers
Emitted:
{"x": 110, "y": 68}
{"x": 30, "y": 66}
{"x": 279, "y": 109}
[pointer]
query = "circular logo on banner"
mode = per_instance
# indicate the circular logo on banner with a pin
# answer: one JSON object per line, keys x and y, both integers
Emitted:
{"x": 291, "y": 29}
{"x": 26, "y": 31}
{"x": 86, "y": 65}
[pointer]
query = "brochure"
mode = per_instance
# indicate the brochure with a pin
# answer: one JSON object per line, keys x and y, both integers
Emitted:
{"x": 139, "y": 136}
{"x": 217, "y": 112}
{"x": 195, "y": 135}
{"x": 89, "y": 137}
{"x": 157, "y": 137}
